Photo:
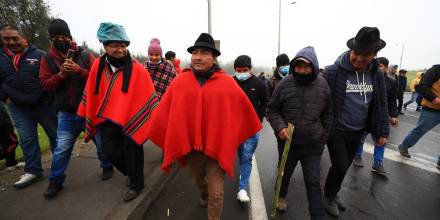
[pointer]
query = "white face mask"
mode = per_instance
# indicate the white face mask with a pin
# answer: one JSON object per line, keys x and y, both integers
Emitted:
{"x": 243, "y": 76}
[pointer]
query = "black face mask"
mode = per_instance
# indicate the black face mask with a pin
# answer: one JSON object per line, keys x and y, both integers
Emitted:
{"x": 118, "y": 62}
{"x": 61, "y": 45}
{"x": 304, "y": 79}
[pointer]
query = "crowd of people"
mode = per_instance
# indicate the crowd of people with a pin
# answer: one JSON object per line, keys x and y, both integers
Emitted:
{"x": 200, "y": 116}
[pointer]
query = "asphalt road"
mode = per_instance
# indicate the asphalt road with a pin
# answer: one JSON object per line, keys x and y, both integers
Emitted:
{"x": 410, "y": 190}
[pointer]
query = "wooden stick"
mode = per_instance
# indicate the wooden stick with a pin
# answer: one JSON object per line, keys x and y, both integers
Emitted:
{"x": 275, "y": 198}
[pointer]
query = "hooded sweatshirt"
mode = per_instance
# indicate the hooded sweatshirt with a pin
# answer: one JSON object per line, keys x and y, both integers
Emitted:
{"x": 359, "y": 93}
{"x": 367, "y": 110}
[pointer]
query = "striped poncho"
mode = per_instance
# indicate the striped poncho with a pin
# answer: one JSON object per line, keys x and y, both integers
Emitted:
{"x": 131, "y": 110}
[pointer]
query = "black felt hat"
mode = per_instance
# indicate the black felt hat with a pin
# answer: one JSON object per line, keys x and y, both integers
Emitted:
{"x": 366, "y": 40}
{"x": 205, "y": 41}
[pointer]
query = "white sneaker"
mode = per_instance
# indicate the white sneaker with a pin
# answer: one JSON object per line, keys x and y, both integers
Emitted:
{"x": 17, "y": 166}
{"x": 242, "y": 196}
{"x": 26, "y": 180}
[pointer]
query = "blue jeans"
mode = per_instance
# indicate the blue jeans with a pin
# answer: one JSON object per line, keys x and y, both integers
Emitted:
{"x": 428, "y": 119}
{"x": 69, "y": 127}
{"x": 26, "y": 120}
{"x": 245, "y": 153}
{"x": 379, "y": 151}
{"x": 412, "y": 99}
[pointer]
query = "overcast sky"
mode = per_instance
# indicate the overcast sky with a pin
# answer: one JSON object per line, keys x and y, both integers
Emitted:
{"x": 251, "y": 26}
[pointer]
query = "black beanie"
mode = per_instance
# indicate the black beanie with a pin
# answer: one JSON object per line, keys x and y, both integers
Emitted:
{"x": 383, "y": 61}
{"x": 58, "y": 27}
{"x": 243, "y": 61}
{"x": 283, "y": 60}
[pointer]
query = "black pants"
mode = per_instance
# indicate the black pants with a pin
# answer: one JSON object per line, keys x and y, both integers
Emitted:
{"x": 8, "y": 139}
{"x": 124, "y": 153}
{"x": 400, "y": 101}
{"x": 310, "y": 163}
{"x": 342, "y": 148}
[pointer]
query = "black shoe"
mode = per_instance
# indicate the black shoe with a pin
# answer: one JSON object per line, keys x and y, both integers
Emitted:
{"x": 404, "y": 153}
{"x": 417, "y": 109}
{"x": 401, "y": 113}
{"x": 340, "y": 203}
{"x": 127, "y": 182}
{"x": 53, "y": 190}
{"x": 331, "y": 207}
{"x": 357, "y": 161}
{"x": 404, "y": 107}
{"x": 107, "y": 173}
{"x": 130, "y": 195}
{"x": 203, "y": 201}
{"x": 379, "y": 169}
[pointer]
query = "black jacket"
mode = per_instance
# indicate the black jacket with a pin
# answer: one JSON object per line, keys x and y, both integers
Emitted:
{"x": 431, "y": 76}
{"x": 256, "y": 92}
{"x": 308, "y": 107}
{"x": 68, "y": 94}
{"x": 402, "y": 84}
{"x": 391, "y": 96}
{"x": 22, "y": 86}
{"x": 378, "y": 122}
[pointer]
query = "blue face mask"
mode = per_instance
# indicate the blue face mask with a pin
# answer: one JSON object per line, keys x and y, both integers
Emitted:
{"x": 284, "y": 70}
{"x": 242, "y": 76}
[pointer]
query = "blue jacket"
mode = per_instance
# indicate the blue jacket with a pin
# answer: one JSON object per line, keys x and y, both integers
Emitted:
{"x": 22, "y": 86}
{"x": 377, "y": 119}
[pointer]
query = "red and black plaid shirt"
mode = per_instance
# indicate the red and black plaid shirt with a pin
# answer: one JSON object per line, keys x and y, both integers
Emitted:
{"x": 162, "y": 74}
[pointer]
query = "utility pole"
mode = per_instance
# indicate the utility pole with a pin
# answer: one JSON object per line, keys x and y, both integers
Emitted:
{"x": 401, "y": 56}
{"x": 209, "y": 17}
{"x": 279, "y": 27}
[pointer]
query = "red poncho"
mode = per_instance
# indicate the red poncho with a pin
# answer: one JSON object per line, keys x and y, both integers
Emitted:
{"x": 129, "y": 110}
{"x": 214, "y": 118}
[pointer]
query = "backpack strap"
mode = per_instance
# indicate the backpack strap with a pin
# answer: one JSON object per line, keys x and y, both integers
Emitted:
{"x": 52, "y": 65}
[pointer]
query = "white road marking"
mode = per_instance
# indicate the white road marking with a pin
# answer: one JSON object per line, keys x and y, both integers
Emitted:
{"x": 415, "y": 116}
{"x": 427, "y": 157}
{"x": 413, "y": 161}
{"x": 257, "y": 206}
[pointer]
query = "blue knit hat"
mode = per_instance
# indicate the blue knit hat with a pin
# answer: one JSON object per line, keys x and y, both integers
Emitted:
{"x": 112, "y": 32}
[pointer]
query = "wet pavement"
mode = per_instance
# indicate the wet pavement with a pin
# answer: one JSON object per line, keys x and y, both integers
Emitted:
{"x": 411, "y": 189}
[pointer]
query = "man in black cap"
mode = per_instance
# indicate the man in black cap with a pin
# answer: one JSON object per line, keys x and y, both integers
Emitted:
{"x": 402, "y": 82}
{"x": 27, "y": 102}
{"x": 256, "y": 92}
{"x": 359, "y": 103}
{"x": 281, "y": 71}
{"x": 205, "y": 134}
{"x": 65, "y": 73}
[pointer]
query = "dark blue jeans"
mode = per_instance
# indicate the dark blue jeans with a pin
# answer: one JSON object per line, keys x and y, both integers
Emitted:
{"x": 69, "y": 127}
{"x": 26, "y": 120}
{"x": 412, "y": 99}
{"x": 245, "y": 153}
{"x": 379, "y": 151}
{"x": 428, "y": 119}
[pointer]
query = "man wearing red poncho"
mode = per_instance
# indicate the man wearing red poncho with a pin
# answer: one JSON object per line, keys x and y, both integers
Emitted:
{"x": 118, "y": 99}
{"x": 201, "y": 120}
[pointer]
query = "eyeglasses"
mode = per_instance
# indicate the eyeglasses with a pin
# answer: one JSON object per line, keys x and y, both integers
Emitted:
{"x": 117, "y": 46}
